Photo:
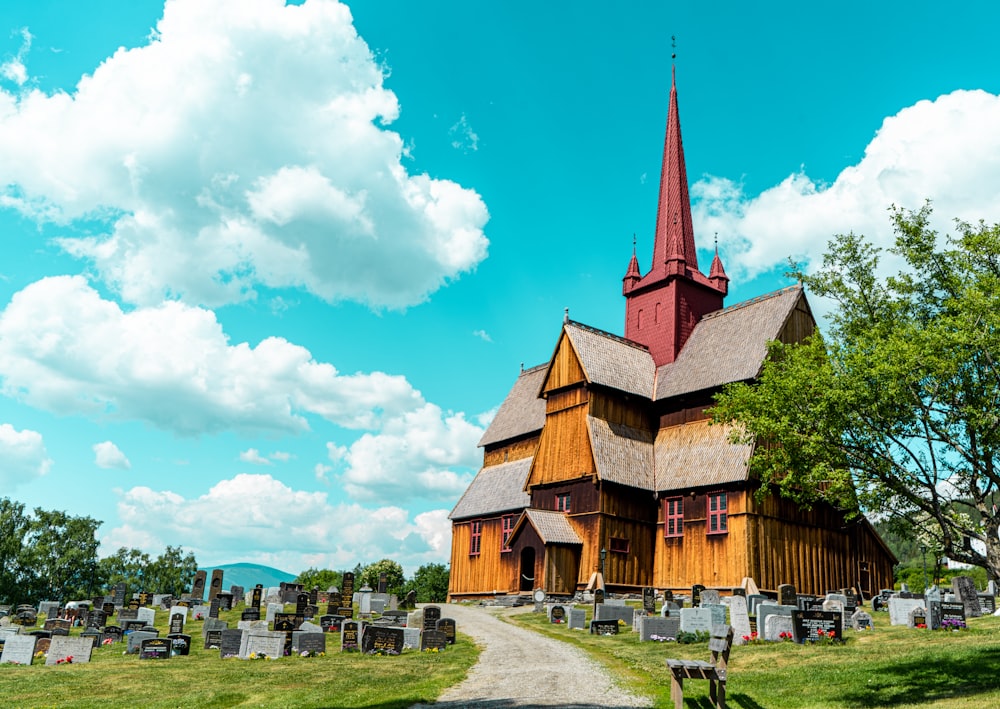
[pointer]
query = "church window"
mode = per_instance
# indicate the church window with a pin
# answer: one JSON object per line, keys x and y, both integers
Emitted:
{"x": 562, "y": 502}
{"x": 475, "y": 537}
{"x": 508, "y": 527}
{"x": 618, "y": 545}
{"x": 717, "y": 504}
{"x": 673, "y": 517}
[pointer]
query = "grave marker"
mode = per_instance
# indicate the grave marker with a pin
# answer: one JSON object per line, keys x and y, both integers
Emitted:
{"x": 18, "y": 649}
{"x": 230, "y": 642}
{"x": 964, "y": 588}
{"x": 604, "y": 627}
{"x": 813, "y": 625}
{"x": 63, "y": 647}
{"x": 180, "y": 644}
{"x": 350, "y": 636}
{"x": 385, "y": 640}
{"x": 155, "y": 649}
{"x": 448, "y": 627}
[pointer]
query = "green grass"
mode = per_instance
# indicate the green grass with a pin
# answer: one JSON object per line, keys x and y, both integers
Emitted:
{"x": 892, "y": 666}
{"x": 204, "y": 680}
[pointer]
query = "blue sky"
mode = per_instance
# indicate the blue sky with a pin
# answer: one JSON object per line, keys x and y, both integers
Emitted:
{"x": 269, "y": 269}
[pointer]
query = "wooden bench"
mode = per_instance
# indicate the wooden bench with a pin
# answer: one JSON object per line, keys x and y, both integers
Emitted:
{"x": 714, "y": 671}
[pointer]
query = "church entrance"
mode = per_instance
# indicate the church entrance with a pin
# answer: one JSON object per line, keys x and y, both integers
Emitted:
{"x": 527, "y": 569}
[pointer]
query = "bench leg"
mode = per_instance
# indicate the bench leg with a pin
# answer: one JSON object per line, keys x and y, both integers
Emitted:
{"x": 677, "y": 692}
{"x": 711, "y": 692}
{"x": 720, "y": 700}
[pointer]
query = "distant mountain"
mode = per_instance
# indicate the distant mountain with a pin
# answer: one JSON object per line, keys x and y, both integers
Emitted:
{"x": 249, "y": 575}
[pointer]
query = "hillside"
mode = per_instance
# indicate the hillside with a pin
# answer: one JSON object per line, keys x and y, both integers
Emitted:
{"x": 249, "y": 575}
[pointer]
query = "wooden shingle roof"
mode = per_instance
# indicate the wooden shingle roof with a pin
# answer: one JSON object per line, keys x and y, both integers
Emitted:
{"x": 698, "y": 454}
{"x": 495, "y": 489}
{"x": 728, "y": 345}
{"x": 612, "y": 361}
{"x": 622, "y": 454}
{"x": 552, "y": 527}
{"x": 522, "y": 412}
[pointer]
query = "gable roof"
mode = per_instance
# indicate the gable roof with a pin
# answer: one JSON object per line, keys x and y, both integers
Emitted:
{"x": 612, "y": 361}
{"x": 622, "y": 454}
{"x": 698, "y": 454}
{"x": 495, "y": 489}
{"x": 522, "y": 412}
{"x": 552, "y": 527}
{"x": 728, "y": 345}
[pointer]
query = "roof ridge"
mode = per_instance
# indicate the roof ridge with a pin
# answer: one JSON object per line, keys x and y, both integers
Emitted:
{"x": 752, "y": 301}
{"x": 611, "y": 335}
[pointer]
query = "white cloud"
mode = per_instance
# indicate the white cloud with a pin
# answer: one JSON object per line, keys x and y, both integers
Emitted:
{"x": 108, "y": 455}
{"x": 259, "y": 518}
{"x": 482, "y": 335}
{"x": 23, "y": 454}
{"x": 947, "y": 150}
{"x": 424, "y": 452}
{"x": 463, "y": 137}
{"x": 174, "y": 367}
{"x": 244, "y": 145}
{"x": 13, "y": 69}
{"x": 252, "y": 455}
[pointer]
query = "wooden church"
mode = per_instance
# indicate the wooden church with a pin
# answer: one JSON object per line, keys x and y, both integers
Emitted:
{"x": 603, "y": 458}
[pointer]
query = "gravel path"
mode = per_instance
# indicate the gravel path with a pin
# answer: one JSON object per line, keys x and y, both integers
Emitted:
{"x": 520, "y": 668}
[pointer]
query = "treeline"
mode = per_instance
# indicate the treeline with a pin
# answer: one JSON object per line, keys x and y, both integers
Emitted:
{"x": 429, "y": 582}
{"x": 52, "y": 555}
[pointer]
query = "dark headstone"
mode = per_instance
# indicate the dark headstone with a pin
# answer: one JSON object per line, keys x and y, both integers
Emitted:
{"x": 250, "y": 613}
{"x": 599, "y": 596}
{"x": 649, "y": 599}
{"x": 285, "y": 624}
{"x": 225, "y": 600}
{"x": 180, "y": 644}
{"x": 382, "y": 582}
{"x": 334, "y": 600}
{"x": 145, "y": 598}
{"x": 301, "y": 601}
{"x": 255, "y": 597}
{"x": 786, "y": 595}
{"x": 346, "y": 611}
{"x": 127, "y": 614}
{"x": 133, "y": 625}
{"x": 604, "y": 627}
{"x": 109, "y": 609}
{"x": 216, "y": 586}
{"x": 557, "y": 614}
{"x": 952, "y": 615}
{"x": 433, "y": 640}
{"x": 239, "y": 594}
{"x": 97, "y": 619}
{"x": 349, "y": 635}
{"x": 314, "y": 596}
{"x": 133, "y": 604}
{"x": 812, "y": 625}
{"x": 988, "y": 603}
{"x": 176, "y": 623}
{"x": 348, "y": 588}
{"x": 198, "y": 587}
{"x": 964, "y": 588}
{"x": 447, "y": 626}
{"x": 214, "y": 607}
{"x": 229, "y": 642}
{"x": 308, "y": 642}
{"x": 154, "y": 649}
{"x": 384, "y": 640}
{"x": 213, "y": 640}
{"x": 119, "y": 595}
{"x": 432, "y": 614}
{"x": 696, "y": 595}
{"x": 330, "y": 623}
{"x": 114, "y": 632}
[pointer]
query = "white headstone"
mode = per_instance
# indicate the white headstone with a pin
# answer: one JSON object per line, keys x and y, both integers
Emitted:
{"x": 776, "y": 624}
{"x": 273, "y": 608}
{"x": 64, "y": 646}
{"x": 739, "y": 618}
{"x": 18, "y": 649}
{"x": 695, "y": 620}
{"x": 899, "y": 609}
{"x": 148, "y": 615}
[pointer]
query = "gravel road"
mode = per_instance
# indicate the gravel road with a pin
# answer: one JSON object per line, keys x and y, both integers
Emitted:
{"x": 519, "y": 668}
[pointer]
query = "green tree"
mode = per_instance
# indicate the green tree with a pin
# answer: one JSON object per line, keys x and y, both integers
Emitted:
{"x": 14, "y": 524}
{"x": 61, "y": 552}
{"x": 319, "y": 578}
{"x": 897, "y": 410}
{"x": 430, "y": 582}
{"x": 171, "y": 572}
{"x": 393, "y": 576}
{"x": 125, "y": 565}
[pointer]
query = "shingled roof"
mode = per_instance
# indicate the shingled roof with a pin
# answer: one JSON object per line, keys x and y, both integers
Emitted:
{"x": 728, "y": 345}
{"x": 612, "y": 361}
{"x": 552, "y": 527}
{"x": 522, "y": 412}
{"x": 495, "y": 489}
{"x": 698, "y": 454}
{"x": 623, "y": 454}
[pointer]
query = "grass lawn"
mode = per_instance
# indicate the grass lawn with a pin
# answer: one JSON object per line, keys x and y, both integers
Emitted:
{"x": 892, "y": 666}
{"x": 204, "y": 680}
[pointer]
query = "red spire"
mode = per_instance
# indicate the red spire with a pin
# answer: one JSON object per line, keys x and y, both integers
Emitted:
{"x": 718, "y": 273}
{"x": 674, "y": 232}
{"x": 632, "y": 276}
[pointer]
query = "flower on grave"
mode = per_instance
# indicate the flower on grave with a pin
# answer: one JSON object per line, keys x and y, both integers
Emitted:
{"x": 784, "y": 635}
{"x": 68, "y": 660}
{"x": 432, "y": 649}
{"x": 39, "y": 655}
{"x": 107, "y": 641}
{"x": 199, "y": 616}
{"x": 820, "y": 633}
{"x": 921, "y": 625}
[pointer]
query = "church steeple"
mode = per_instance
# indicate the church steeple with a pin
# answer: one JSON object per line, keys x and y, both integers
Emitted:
{"x": 674, "y": 244}
{"x": 663, "y": 307}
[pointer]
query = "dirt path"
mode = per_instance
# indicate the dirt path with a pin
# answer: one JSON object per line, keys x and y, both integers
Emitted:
{"x": 519, "y": 668}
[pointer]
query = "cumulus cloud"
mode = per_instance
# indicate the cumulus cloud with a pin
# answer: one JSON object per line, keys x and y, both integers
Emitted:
{"x": 23, "y": 454}
{"x": 425, "y": 452}
{"x": 244, "y": 146}
{"x": 265, "y": 520}
{"x": 252, "y": 455}
{"x": 108, "y": 455}
{"x": 174, "y": 367}
{"x": 463, "y": 137}
{"x": 13, "y": 69}
{"x": 946, "y": 150}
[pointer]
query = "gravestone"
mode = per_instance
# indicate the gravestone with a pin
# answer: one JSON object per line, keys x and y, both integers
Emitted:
{"x": 347, "y": 588}
{"x": 604, "y": 627}
{"x": 765, "y": 610}
{"x": 449, "y": 628}
{"x": 334, "y": 600}
{"x": 18, "y": 649}
{"x": 225, "y": 600}
{"x": 670, "y": 609}
{"x": 432, "y": 614}
{"x": 899, "y": 609}
{"x": 96, "y": 619}
{"x": 987, "y": 603}
{"x": 776, "y": 623}
{"x": 807, "y": 625}
{"x": 272, "y": 610}
{"x": 385, "y": 640}
{"x": 216, "y": 586}
{"x": 285, "y": 623}
{"x": 696, "y": 594}
{"x": 557, "y": 614}
{"x": 350, "y": 636}
{"x": 786, "y": 595}
{"x": 180, "y": 644}
{"x": 649, "y": 599}
{"x": 176, "y": 623}
{"x": 250, "y": 613}
{"x": 146, "y": 615}
{"x": 952, "y": 615}
{"x": 54, "y": 623}
{"x": 411, "y": 638}
{"x": 131, "y": 625}
{"x": 755, "y": 599}
{"x": 255, "y": 596}
{"x": 135, "y": 639}
{"x": 718, "y": 611}
{"x": 114, "y": 632}
{"x": 155, "y": 649}
{"x": 917, "y": 618}
{"x": 301, "y": 601}
{"x": 230, "y": 642}
{"x": 108, "y": 608}
{"x": 346, "y": 611}
{"x": 606, "y": 611}
{"x": 119, "y": 594}
{"x": 710, "y": 596}
{"x": 262, "y": 643}
{"x": 126, "y": 614}
{"x": 96, "y": 636}
{"x": 964, "y": 588}
{"x": 330, "y": 623}
{"x": 133, "y": 603}
{"x": 862, "y": 620}
{"x": 577, "y": 619}
{"x": 213, "y": 624}
{"x": 433, "y": 640}
{"x": 415, "y": 619}
{"x": 50, "y": 609}
{"x": 213, "y": 640}
{"x": 252, "y": 625}
{"x": 198, "y": 587}
{"x": 215, "y": 605}
{"x": 739, "y": 618}
{"x": 183, "y": 610}
{"x": 694, "y": 620}
{"x": 145, "y": 598}
{"x": 660, "y": 627}
{"x": 77, "y": 648}
{"x": 308, "y": 642}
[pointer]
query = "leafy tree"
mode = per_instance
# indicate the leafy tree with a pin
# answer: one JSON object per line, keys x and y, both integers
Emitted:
{"x": 125, "y": 565}
{"x": 430, "y": 582}
{"x": 319, "y": 578}
{"x": 60, "y": 555}
{"x": 393, "y": 576}
{"x": 15, "y": 524}
{"x": 896, "y": 410}
{"x": 171, "y": 572}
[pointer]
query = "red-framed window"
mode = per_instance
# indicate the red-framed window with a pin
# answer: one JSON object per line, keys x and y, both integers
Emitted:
{"x": 717, "y": 513}
{"x": 507, "y": 522}
{"x": 562, "y": 502}
{"x": 618, "y": 545}
{"x": 475, "y": 537}
{"x": 673, "y": 517}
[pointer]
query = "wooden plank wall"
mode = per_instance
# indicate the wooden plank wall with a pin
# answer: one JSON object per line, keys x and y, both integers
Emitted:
{"x": 565, "y": 369}
{"x": 515, "y": 450}
{"x": 490, "y": 570}
{"x": 799, "y": 326}
{"x": 564, "y": 451}
{"x": 561, "y": 569}
{"x": 620, "y": 408}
